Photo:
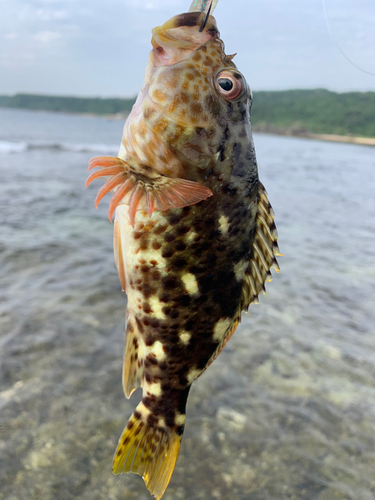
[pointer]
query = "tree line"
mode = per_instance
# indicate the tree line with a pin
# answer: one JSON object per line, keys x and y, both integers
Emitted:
{"x": 316, "y": 111}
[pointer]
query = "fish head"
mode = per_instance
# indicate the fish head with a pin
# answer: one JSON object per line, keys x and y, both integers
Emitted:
{"x": 192, "y": 95}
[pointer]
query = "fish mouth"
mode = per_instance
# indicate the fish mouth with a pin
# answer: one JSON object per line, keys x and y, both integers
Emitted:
{"x": 176, "y": 39}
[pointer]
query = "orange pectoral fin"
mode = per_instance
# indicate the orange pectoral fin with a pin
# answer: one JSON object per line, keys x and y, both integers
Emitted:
{"x": 141, "y": 192}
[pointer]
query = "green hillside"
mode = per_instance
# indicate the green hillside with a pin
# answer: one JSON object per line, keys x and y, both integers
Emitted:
{"x": 95, "y": 105}
{"x": 315, "y": 111}
{"x": 3, "y": 98}
{"x": 292, "y": 111}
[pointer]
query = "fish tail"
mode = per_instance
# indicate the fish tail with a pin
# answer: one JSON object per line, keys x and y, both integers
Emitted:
{"x": 147, "y": 450}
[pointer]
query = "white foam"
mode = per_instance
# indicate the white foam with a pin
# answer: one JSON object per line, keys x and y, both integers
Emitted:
{"x": 7, "y": 147}
{"x": 12, "y": 147}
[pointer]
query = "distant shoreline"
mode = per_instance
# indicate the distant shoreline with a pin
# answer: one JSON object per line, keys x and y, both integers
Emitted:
{"x": 266, "y": 129}
{"x": 347, "y": 139}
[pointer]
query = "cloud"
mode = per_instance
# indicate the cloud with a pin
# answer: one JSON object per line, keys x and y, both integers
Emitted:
{"x": 51, "y": 15}
{"x": 46, "y": 36}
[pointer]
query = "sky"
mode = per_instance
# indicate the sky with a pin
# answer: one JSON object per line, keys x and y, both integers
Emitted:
{"x": 100, "y": 47}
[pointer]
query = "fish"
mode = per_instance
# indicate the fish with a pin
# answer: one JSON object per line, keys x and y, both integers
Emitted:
{"x": 194, "y": 232}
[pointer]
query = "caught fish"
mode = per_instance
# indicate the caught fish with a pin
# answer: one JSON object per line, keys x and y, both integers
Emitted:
{"x": 194, "y": 232}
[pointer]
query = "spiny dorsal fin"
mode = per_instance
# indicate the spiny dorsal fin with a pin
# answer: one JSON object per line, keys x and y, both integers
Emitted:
{"x": 142, "y": 190}
{"x": 132, "y": 372}
{"x": 265, "y": 250}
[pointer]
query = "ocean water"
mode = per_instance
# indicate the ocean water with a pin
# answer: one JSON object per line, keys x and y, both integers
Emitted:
{"x": 287, "y": 411}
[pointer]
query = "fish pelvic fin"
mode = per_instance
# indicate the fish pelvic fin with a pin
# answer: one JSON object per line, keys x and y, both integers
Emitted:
{"x": 119, "y": 259}
{"x": 148, "y": 451}
{"x": 132, "y": 372}
{"x": 265, "y": 250}
{"x": 141, "y": 188}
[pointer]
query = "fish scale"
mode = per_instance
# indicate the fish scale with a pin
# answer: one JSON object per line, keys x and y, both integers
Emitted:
{"x": 194, "y": 233}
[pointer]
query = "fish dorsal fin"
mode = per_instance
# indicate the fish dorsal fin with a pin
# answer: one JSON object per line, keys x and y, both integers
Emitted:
{"x": 265, "y": 250}
{"x": 132, "y": 372}
{"x": 143, "y": 189}
{"x": 119, "y": 259}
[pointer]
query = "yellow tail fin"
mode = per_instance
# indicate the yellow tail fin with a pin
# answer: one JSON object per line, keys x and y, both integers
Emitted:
{"x": 148, "y": 451}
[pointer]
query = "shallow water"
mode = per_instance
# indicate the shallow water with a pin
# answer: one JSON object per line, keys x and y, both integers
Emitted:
{"x": 287, "y": 411}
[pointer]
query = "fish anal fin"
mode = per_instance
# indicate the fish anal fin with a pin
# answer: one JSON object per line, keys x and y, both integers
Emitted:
{"x": 265, "y": 250}
{"x": 224, "y": 339}
{"x": 142, "y": 190}
{"x": 119, "y": 259}
{"x": 148, "y": 451}
{"x": 132, "y": 372}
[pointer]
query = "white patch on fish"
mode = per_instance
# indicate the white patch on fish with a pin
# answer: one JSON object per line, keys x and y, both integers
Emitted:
{"x": 221, "y": 328}
{"x": 190, "y": 283}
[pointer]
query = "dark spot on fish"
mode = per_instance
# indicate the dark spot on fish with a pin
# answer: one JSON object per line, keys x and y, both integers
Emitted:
{"x": 179, "y": 262}
{"x": 181, "y": 230}
{"x": 152, "y": 420}
{"x": 145, "y": 268}
{"x": 147, "y": 290}
{"x": 182, "y": 301}
{"x": 170, "y": 237}
{"x": 229, "y": 189}
{"x": 144, "y": 244}
{"x": 242, "y": 110}
{"x": 139, "y": 324}
{"x": 189, "y": 325}
{"x": 155, "y": 274}
{"x": 154, "y": 323}
{"x": 137, "y": 235}
{"x": 148, "y": 112}
{"x": 137, "y": 415}
{"x": 237, "y": 148}
{"x": 170, "y": 282}
{"x": 180, "y": 246}
{"x": 212, "y": 105}
{"x": 148, "y": 401}
{"x": 196, "y": 108}
{"x": 230, "y": 109}
{"x": 160, "y": 229}
{"x": 167, "y": 253}
{"x": 164, "y": 297}
{"x": 173, "y": 219}
{"x": 156, "y": 245}
{"x": 146, "y": 308}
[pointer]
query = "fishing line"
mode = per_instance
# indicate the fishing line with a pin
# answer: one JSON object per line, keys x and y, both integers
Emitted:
{"x": 338, "y": 45}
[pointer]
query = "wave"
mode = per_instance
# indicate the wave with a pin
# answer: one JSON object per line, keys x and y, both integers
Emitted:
{"x": 9, "y": 147}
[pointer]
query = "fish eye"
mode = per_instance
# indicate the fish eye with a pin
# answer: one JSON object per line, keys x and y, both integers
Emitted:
{"x": 229, "y": 84}
{"x": 226, "y": 84}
